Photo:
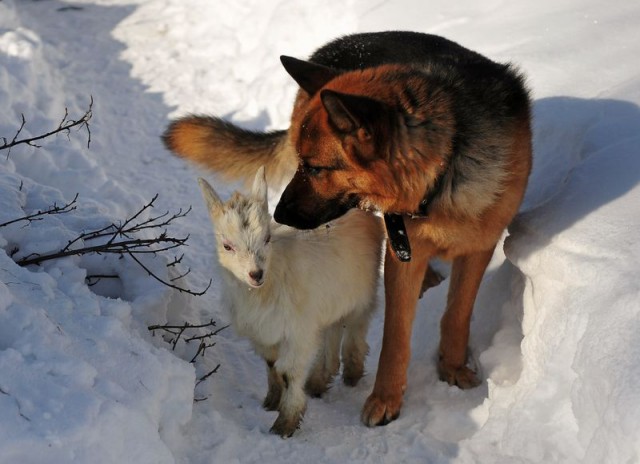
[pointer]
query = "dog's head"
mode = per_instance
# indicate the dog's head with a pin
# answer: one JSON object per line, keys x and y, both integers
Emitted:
{"x": 343, "y": 141}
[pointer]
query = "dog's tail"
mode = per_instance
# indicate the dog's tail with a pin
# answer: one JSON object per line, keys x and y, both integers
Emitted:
{"x": 231, "y": 151}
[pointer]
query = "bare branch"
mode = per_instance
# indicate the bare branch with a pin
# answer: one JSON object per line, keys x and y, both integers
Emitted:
{"x": 95, "y": 278}
{"x": 184, "y": 274}
{"x": 178, "y": 332}
{"x": 65, "y": 125}
{"x": 120, "y": 239}
{"x": 55, "y": 209}
{"x": 122, "y": 247}
{"x": 184, "y": 326}
{"x": 207, "y": 375}
{"x": 175, "y": 287}
{"x": 176, "y": 260}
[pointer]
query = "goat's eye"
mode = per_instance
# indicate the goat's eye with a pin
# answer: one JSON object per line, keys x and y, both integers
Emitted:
{"x": 268, "y": 239}
{"x": 227, "y": 247}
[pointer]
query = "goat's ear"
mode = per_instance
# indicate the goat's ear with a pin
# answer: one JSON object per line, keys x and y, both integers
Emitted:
{"x": 259, "y": 189}
{"x": 311, "y": 77}
{"x": 214, "y": 204}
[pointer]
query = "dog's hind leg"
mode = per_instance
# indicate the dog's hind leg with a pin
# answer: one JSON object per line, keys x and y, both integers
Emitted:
{"x": 354, "y": 345}
{"x": 466, "y": 275}
{"x": 327, "y": 363}
{"x": 432, "y": 278}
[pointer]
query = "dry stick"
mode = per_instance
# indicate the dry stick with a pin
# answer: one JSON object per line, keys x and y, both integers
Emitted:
{"x": 176, "y": 261}
{"x": 113, "y": 230}
{"x": 184, "y": 274}
{"x": 128, "y": 245}
{"x": 180, "y": 289}
{"x": 121, "y": 247}
{"x": 95, "y": 278}
{"x": 65, "y": 125}
{"x": 202, "y": 347}
{"x": 178, "y": 330}
{"x": 55, "y": 209}
{"x": 202, "y": 379}
{"x": 206, "y": 376}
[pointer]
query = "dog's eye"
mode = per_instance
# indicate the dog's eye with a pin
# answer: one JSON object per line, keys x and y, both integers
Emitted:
{"x": 312, "y": 171}
{"x": 227, "y": 247}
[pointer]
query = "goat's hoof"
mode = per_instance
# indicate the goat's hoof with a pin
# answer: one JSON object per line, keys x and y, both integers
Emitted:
{"x": 271, "y": 402}
{"x": 285, "y": 426}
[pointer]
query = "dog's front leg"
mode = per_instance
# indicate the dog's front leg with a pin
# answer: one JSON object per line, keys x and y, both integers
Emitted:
{"x": 466, "y": 275}
{"x": 403, "y": 282}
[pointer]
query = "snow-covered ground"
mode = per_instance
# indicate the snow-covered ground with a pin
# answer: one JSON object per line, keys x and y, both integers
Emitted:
{"x": 556, "y": 327}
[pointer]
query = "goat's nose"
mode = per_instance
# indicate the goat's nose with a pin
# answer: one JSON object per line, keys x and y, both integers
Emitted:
{"x": 256, "y": 275}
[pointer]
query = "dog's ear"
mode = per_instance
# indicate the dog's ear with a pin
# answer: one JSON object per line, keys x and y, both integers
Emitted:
{"x": 311, "y": 77}
{"x": 353, "y": 114}
{"x": 259, "y": 189}
{"x": 214, "y": 204}
{"x": 363, "y": 118}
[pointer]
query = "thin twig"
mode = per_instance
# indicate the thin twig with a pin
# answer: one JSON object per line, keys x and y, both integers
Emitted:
{"x": 119, "y": 239}
{"x": 122, "y": 247}
{"x": 94, "y": 279}
{"x": 64, "y": 126}
{"x": 175, "y": 287}
{"x": 55, "y": 209}
{"x": 202, "y": 347}
{"x": 179, "y": 330}
{"x": 176, "y": 260}
{"x": 207, "y": 375}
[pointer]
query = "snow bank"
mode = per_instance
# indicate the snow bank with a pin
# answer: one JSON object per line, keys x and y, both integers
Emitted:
{"x": 576, "y": 399}
{"x": 81, "y": 380}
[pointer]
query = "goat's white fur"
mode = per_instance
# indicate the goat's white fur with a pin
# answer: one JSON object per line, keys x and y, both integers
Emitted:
{"x": 318, "y": 290}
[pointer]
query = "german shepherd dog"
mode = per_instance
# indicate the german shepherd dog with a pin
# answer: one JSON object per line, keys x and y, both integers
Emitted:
{"x": 432, "y": 135}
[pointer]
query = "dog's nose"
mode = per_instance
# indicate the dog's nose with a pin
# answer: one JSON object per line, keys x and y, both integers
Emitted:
{"x": 281, "y": 213}
{"x": 256, "y": 275}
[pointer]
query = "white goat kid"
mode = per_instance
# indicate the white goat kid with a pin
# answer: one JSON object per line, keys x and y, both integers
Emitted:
{"x": 297, "y": 295}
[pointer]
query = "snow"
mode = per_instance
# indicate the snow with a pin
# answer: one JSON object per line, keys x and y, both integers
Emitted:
{"x": 556, "y": 329}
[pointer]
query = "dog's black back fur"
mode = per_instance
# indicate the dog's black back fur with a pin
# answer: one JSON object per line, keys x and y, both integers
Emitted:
{"x": 473, "y": 76}
{"x": 365, "y": 50}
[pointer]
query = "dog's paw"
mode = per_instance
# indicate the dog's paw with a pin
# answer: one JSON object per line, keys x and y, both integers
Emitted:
{"x": 381, "y": 411}
{"x": 462, "y": 377}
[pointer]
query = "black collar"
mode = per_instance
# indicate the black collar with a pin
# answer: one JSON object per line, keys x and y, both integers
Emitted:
{"x": 397, "y": 236}
{"x": 396, "y": 229}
